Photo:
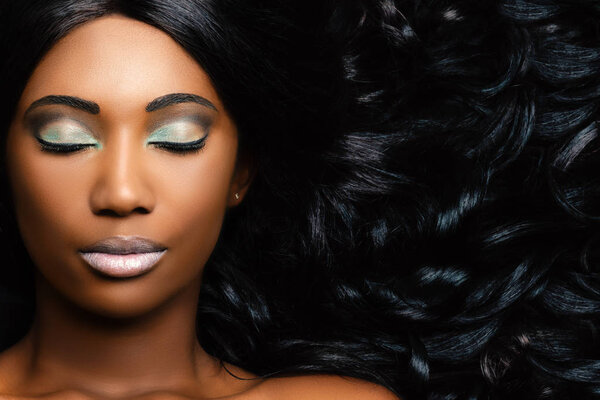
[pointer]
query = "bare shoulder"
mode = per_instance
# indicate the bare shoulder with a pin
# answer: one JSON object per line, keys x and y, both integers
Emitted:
{"x": 323, "y": 387}
{"x": 12, "y": 367}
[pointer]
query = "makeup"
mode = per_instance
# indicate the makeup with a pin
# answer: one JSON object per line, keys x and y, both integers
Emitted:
{"x": 182, "y": 130}
{"x": 182, "y": 135}
{"x": 122, "y": 265}
{"x": 60, "y": 132}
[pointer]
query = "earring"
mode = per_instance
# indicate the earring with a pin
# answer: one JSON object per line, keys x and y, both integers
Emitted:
{"x": 237, "y": 196}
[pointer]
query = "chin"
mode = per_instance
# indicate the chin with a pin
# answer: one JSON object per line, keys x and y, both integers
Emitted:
{"x": 115, "y": 298}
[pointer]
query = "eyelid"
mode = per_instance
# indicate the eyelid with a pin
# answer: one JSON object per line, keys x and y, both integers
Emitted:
{"x": 36, "y": 122}
{"x": 66, "y": 133}
{"x": 202, "y": 122}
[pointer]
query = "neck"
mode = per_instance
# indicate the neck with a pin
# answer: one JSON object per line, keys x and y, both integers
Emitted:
{"x": 68, "y": 344}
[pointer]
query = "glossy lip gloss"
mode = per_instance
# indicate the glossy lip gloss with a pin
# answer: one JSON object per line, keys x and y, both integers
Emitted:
{"x": 123, "y": 265}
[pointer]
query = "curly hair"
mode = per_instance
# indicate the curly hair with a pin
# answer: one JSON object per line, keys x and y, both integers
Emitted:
{"x": 426, "y": 204}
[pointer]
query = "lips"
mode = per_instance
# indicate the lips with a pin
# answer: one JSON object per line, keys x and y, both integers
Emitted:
{"x": 124, "y": 245}
{"x": 123, "y": 256}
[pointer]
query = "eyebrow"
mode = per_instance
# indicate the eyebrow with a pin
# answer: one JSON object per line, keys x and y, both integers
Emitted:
{"x": 94, "y": 108}
{"x": 71, "y": 101}
{"x": 176, "y": 98}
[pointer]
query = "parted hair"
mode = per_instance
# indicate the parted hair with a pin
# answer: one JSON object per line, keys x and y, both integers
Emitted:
{"x": 425, "y": 209}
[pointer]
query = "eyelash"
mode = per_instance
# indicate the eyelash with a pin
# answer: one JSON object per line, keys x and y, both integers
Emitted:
{"x": 185, "y": 148}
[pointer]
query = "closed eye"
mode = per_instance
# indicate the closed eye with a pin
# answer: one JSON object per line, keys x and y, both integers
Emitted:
{"x": 183, "y": 136}
{"x": 182, "y": 148}
{"x": 63, "y": 147}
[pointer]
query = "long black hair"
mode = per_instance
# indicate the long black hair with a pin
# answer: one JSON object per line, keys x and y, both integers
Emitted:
{"x": 426, "y": 204}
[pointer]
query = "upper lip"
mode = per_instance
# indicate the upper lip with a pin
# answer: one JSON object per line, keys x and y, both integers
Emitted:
{"x": 124, "y": 245}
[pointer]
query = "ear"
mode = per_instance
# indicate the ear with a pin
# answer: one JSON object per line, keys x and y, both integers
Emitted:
{"x": 244, "y": 173}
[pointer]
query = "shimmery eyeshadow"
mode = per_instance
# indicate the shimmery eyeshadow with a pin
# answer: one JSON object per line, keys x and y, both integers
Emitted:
{"x": 181, "y": 131}
{"x": 59, "y": 128}
{"x": 66, "y": 133}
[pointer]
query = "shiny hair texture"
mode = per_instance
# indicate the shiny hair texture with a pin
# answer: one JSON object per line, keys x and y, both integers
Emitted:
{"x": 426, "y": 205}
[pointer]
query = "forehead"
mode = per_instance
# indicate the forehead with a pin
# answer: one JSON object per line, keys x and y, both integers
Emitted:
{"x": 118, "y": 62}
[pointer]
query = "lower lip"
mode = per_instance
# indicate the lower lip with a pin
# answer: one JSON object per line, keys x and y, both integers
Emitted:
{"x": 122, "y": 265}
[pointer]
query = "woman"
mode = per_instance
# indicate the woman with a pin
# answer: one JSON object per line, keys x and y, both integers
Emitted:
{"x": 122, "y": 159}
{"x": 372, "y": 190}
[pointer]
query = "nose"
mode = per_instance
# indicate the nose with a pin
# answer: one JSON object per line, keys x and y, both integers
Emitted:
{"x": 120, "y": 188}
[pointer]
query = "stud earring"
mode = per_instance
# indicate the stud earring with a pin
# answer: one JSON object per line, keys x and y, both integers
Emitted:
{"x": 237, "y": 196}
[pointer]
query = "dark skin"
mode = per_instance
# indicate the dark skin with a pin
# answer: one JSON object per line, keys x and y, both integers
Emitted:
{"x": 103, "y": 338}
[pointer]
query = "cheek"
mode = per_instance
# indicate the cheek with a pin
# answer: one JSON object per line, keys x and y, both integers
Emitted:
{"x": 196, "y": 198}
{"x": 47, "y": 211}
{"x": 46, "y": 197}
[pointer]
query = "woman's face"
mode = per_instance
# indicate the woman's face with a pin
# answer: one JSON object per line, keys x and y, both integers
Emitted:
{"x": 108, "y": 86}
